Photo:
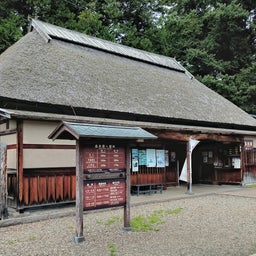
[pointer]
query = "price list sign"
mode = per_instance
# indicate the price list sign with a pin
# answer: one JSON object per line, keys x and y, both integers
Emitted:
{"x": 98, "y": 158}
{"x": 100, "y": 194}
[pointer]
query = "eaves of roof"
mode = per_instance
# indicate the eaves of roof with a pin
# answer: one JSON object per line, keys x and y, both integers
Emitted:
{"x": 79, "y": 130}
{"x": 28, "y": 115}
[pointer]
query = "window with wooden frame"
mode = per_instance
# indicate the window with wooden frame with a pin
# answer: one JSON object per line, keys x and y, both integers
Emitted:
{"x": 250, "y": 153}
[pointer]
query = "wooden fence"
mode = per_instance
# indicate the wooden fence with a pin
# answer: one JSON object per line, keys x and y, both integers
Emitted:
{"x": 42, "y": 187}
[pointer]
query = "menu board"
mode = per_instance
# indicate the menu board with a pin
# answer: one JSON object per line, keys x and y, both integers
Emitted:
{"x": 99, "y": 194}
{"x": 98, "y": 158}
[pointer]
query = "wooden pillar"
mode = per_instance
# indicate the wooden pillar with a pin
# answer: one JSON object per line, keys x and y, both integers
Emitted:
{"x": 243, "y": 160}
{"x": 189, "y": 168}
{"x": 79, "y": 193}
{"x": 3, "y": 181}
{"x": 127, "y": 226}
{"x": 19, "y": 156}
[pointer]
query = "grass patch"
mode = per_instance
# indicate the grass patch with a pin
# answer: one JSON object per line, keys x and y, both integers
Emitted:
{"x": 69, "y": 227}
{"x": 113, "y": 220}
{"x": 151, "y": 222}
{"x": 112, "y": 249}
{"x": 32, "y": 238}
{"x": 250, "y": 186}
{"x": 144, "y": 223}
{"x": 10, "y": 242}
{"x": 175, "y": 211}
{"x": 98, "y": 221}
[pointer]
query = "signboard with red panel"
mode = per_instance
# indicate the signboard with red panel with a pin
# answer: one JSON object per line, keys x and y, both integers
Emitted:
{"x": 104, "y": 158}
{"x": 104, "y": 177}
{"x": 99, "y": 194}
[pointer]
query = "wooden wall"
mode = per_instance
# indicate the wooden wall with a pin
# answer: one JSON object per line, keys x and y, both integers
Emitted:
{"x": 48, "y": 187}
{"x": 147, "y": 175}
{"x": 43, "y": 188}
{"x": 40, "y": 171}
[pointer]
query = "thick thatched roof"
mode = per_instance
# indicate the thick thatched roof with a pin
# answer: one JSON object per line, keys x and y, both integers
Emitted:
{"x": 72, "y": 69}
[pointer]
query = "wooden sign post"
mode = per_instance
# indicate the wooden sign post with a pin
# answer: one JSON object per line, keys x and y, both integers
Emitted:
{"x": 103, "y": 181}
{"x": 79, "y": 194}
{"x": 102, "y": 166}
{"x": 127, "y": 226}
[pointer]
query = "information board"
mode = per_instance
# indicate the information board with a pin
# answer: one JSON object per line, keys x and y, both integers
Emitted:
{"x": 99, "y": 158}
{"x": 100, "y": 194}
{"x": 104, "y": 177}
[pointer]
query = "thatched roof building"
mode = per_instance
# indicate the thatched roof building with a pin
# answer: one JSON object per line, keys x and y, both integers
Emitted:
{"x": 55, "y": 70}
{"x": 53, "y": 74}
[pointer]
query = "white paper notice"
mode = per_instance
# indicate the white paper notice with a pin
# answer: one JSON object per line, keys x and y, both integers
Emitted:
{"x": 151, "y": 157}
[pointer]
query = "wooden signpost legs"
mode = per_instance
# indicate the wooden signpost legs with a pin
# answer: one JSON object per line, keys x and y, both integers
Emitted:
{"x": 127, "y": 226}
{"x": 79, "y": 194}
{"x": 79, "y": 237}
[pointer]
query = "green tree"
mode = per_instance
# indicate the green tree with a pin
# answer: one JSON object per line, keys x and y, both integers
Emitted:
{"x": 10, "y": 31}
{"x": 214, "y": 40}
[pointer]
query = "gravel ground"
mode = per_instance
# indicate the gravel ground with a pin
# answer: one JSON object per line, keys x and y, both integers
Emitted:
{"x": 219, "y": 224}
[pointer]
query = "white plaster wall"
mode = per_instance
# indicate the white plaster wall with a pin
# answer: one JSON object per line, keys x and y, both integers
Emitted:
{"x": 11, "y": 159}
{"x": 2, "y": 127}
{"x": 12, "y": 124}
{"x": 44, "y": 158}
{"x": 37, "y": 132}
{"x": 10, "y": 139}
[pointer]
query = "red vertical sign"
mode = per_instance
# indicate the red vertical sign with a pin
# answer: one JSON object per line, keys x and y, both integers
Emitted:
{"x": 98, "y": 194}
{"x": 95, "y": 158}
{"x": 101, "y": 191}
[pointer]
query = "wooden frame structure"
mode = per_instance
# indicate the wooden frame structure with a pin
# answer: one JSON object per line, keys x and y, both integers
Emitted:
{"x": 84, "y": 133}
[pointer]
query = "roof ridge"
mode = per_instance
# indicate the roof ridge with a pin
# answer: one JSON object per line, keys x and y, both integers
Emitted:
{"x": 40, "y": 30}
{"x": 49, "y": 31}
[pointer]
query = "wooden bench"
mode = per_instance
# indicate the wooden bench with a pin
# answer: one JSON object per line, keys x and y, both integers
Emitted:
{"x": 146, "y": 188}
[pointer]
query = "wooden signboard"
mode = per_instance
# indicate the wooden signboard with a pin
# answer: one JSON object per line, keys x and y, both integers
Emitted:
{"x": 104, "y": 177}
{"x": 100, "y": 194}
{"x": 99, "y": 158}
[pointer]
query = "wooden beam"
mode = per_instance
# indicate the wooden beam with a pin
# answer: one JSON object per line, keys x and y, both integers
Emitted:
{"x": 48, "y": 146}
{"x": 79, "y": 193}
{"x": 172, "y": 135}
{"x": 3, "y": 182}
{"x": 201, "y": 136}
{"x": 8, "y": 132}
{"x": 19, "y": 153}
{"x": 189, "y": 181}
{"x": 242, "y": 157}
{"x": 217, "y": 137}
{"x": 42, "y": 146}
